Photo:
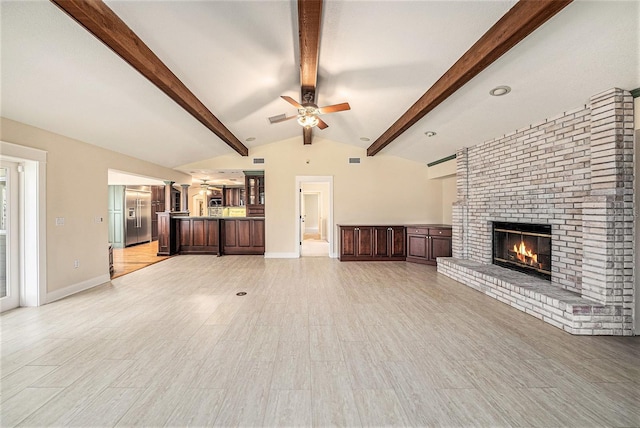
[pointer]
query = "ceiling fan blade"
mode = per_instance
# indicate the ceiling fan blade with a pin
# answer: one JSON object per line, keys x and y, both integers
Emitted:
{"x": 322, "y": 124}
{"x": 282, "y": 119}
{"x": 334, "y": 108}
{"x": 291, "y": 101}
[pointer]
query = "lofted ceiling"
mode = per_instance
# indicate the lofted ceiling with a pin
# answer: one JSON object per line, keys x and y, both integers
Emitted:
{"x": 239, "y": 57}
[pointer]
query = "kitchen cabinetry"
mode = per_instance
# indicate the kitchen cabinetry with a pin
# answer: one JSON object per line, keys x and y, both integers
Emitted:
{"x": 425, "y": 243}
{"x": 243, "y": 236}
{"x": 254, "y": 193}
{"x": 233, "y": 196}
{"x": 157, "y": 206}
{"x": 168, "y": 243}
{"x": 372, "y": 243}
{"x": 199, "y": 235}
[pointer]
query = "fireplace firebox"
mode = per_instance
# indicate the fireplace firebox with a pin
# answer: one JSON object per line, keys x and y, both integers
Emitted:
{"x": 524, "y": 247}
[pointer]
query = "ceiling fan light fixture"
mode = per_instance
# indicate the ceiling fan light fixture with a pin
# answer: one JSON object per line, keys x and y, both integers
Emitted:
{"x": 308, "y": 121}
{"x": 499, "y": 91}
{"x": 430, "y": 133}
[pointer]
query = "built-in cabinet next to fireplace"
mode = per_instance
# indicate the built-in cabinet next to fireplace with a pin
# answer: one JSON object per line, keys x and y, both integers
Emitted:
{"x": 425, "y": 243}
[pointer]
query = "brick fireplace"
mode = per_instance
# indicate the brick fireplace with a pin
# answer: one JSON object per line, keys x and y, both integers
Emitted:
{"x": 574, "y": 174}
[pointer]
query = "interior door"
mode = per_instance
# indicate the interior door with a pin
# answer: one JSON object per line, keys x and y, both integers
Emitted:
{"x": 9, "y": 241}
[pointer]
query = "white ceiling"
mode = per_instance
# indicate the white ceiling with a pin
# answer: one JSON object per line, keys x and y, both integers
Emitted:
{"x": 238, "y": 57}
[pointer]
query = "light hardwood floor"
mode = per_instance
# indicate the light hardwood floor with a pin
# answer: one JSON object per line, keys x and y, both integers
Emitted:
{"x": 315, "y": 342}
{"x": 131, "y": 259}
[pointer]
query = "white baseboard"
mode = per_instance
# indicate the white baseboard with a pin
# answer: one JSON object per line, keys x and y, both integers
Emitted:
{"x": 281, "y": 256}
{"x": 76, "y": 288}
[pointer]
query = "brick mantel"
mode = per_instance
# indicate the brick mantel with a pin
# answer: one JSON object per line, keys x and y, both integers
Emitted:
{"x": 573, "y": 172}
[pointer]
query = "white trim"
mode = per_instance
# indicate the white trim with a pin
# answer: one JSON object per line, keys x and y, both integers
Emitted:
{"x": 33, "y": 233}
{"x": 330, "y": 226}
{"x": 281, "y": 256}
{"x": 76, "y": 288}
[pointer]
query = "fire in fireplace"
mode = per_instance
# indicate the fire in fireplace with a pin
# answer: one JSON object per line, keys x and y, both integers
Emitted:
{"x": 525, "y": 247}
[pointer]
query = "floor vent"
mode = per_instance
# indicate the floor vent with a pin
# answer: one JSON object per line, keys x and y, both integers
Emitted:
{"x": 258, "y": 161}
{"x": 354, "y": 160}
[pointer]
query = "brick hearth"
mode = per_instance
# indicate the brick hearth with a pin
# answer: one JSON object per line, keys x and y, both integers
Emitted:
{"x": 575, "y": 173}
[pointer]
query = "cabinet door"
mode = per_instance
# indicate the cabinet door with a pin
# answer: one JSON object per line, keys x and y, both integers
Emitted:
{"x": 244, "y": 233}
{"x": 185, "y": 233}
{"x": 440, "y": 247}
{"x": 230, "y": 234}
{"x": 257, "y": 233}
{"x": 397, "y": 247}
{"x": 212, "y": 233}
{"x": 164, "y": 223}
{"x": 417, "y": 246}
{"x": 199, "y": 236}
{"x": 364, "y": 241}
{"x": 382, "y": 243}
{"x": 347, "y": 241}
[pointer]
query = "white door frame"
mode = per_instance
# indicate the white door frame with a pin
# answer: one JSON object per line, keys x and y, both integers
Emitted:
{"x": 330, "y": 227}
{"x": 32, "y": 209}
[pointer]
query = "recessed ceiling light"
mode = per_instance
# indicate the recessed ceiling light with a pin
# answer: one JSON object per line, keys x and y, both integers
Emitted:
{"x": 250, "y": 139}
{"x": 364, "y": 139}
{"x": 499, "y": 91}
{"x": 430, "y": 134}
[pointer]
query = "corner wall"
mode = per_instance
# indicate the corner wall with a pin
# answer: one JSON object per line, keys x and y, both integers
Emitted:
{"x": 77, "y": 190}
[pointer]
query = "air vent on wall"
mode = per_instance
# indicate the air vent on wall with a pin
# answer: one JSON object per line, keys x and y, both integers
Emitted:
{"x": 258, "y": 160}
{"x": 277, "y": 118}
{"x": 354, "y": 160}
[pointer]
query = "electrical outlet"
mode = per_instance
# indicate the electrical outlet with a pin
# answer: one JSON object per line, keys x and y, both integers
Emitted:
{"x": 59, "y": 221}
{"x": 76, "y": 264}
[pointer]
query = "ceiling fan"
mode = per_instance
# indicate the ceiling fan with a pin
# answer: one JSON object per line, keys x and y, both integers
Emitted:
{"x": 308, "y": 111}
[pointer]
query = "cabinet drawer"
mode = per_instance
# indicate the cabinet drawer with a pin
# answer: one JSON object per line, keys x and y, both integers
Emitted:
{"x": 439, "y": 232}
{"x": 417, "y": 230}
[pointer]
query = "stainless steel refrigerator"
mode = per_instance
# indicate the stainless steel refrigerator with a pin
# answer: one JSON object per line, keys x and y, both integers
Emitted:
{"x": 137, "y": 227}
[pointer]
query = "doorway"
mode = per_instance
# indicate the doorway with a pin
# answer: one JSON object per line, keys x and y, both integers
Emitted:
{"x": 315, "y": 214}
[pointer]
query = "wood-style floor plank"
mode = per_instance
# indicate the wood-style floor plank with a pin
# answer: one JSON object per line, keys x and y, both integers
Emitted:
{"x": 315, "y": 342}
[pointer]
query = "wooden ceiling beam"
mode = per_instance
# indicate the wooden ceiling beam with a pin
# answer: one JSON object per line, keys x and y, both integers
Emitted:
{"x": 307, "y": 135}
{"x": 104, "y": 24}
{"x": 309, "y": 24}
{"x": 520, "y": 21}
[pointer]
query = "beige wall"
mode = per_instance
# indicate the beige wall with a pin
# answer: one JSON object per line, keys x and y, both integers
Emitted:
{"x": 449, "y": 196}
{"x": 381, "y": 189}
{"x": 77, "y": 191}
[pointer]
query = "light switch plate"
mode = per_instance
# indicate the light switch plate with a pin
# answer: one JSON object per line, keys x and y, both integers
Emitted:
{"x": 59, "y": 221}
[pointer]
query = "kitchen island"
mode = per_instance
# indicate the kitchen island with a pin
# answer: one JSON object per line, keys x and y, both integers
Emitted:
{"x": 180, "y": 234}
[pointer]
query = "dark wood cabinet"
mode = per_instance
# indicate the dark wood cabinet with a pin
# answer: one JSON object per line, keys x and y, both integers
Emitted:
{"x": 199, "y": 235}
{"x": 425, "y": 243}
{"x": 180, "y": 234}
{"x": 243, "y": 236}
{"x": 372, "y": 243}
{"x": 157, "y": 206}
{"x": 254, "y": 193}
{"x": 168, "y": 242}
{"x": 233, "y": 196}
